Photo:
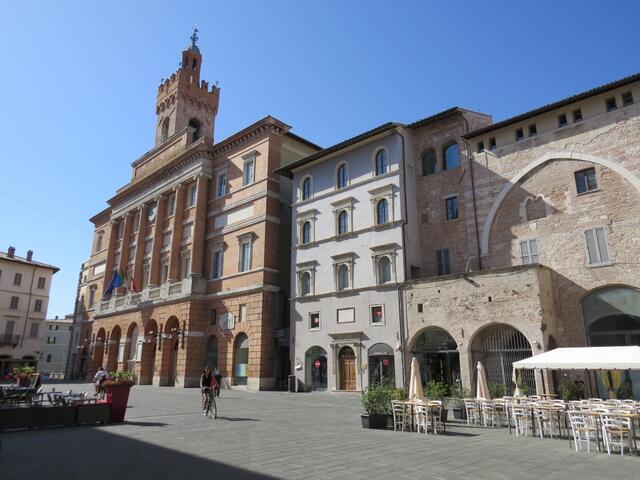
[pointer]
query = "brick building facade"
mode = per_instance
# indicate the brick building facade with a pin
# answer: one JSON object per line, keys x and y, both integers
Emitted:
{"x": 200, "y": 235}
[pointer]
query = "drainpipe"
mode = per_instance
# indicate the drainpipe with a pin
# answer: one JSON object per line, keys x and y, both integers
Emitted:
{"x": 473, "y": 193}
{"x": 401, "y": 315}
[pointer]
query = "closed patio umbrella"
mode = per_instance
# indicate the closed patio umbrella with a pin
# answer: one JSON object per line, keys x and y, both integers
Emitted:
{"x": 415, "y": 382}
{"x": 516, "y": 382}
{"x": 537, "y": 373}
{"x": 482, "y": 390}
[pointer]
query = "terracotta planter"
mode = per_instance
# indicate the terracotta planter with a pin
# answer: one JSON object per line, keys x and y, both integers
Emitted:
{"x": 118, "y": 396}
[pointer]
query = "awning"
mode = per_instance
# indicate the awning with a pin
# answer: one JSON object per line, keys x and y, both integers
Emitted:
{"x": 585, "y": 358}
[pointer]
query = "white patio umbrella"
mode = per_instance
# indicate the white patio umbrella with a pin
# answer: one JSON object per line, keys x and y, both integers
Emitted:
{"x": 482, "y": 390}
{"x": 415, "y": 382}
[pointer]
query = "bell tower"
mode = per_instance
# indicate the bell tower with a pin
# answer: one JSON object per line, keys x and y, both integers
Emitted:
{"x": 184, "y": 101}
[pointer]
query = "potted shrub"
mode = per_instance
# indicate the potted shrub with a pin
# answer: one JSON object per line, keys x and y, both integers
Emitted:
{"x": 496, "y": 390}
{"x": 117, "y": 389}
{"x": 437, "y": 391}
{"x": 23, "y": 374}
{"x": 377, "y": 404}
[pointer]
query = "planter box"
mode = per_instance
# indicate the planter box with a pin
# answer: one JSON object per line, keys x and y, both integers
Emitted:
{"x": 55, "y": 416}
{"x": 93, "y": 413}
{"x": 459, "y": 413}
{"x": 374, "y": 421}
{"x": 118, "y": 397}
{"x": 16, "y": 418}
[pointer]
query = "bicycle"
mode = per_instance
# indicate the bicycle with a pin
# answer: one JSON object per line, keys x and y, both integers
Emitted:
{"x": 209, "y": 403}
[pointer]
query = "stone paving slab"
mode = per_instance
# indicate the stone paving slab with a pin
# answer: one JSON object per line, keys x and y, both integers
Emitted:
{"x": 278, "y": 435}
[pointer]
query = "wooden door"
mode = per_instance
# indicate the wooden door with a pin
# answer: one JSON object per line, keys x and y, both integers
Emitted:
{"x": 347, "y": 360}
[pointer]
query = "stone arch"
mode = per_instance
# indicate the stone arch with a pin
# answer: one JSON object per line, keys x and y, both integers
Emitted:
{"x": 438, "y": 355}
{"x": 130, "y": 345}
{"x": 241, "y": 359}
{"x": 114, "y": 348}
{"x": 98, "y": 350}
{"x": 316, "y": 362}
{"x": 148, "y": 354}
{"x": 170, "y": 349}
{"x": 551, "y": 156}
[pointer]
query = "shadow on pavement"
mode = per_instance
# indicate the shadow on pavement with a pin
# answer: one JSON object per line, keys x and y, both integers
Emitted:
{"x": 238, "y": 419}
{"x": 94, "y": 453}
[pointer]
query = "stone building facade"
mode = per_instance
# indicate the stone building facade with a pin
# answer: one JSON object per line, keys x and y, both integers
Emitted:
{"x": 55, "y": 346}
{"x": 24, "y": 299}
{"x": 200, "y": 236}
{"x": 558, "y": 187}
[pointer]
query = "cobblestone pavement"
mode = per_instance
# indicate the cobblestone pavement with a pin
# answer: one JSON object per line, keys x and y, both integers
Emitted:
{"x": 279, "y": 435}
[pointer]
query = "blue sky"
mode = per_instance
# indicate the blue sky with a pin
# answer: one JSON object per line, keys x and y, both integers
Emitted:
{"x": 79, "y": 80}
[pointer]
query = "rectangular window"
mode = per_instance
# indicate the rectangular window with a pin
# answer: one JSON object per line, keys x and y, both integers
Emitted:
{"x": 529, "y": 252}
{"x": 420, "y": 309}
{"x": 148, "y": 245}
{"x": 562, "y": 120}
{"x": 146, "y": 275}
{"x": 242, "y": 313}
{"x": 213, "y": 318}
{"x": 577, "y": 115}
{"x": 171, "y": 205}
{"x": 480, "y": 148}
{"x": 451, "y": 204}
{"x": 41, "y": 282}
{"x": 444, "y": 263}
{"x": 519, "y": 134}
{"x": 99, "y": 242}
{"x": 17, "y": 279}
{"x": 37, "y": 306}
{"x": 14, "y": 303}
{"x": 164, "y": 271}
{"x": 166, "y": 240}
{"x": 611, "y": 104}
{"x": 92, "y": 296}
{"x": 533, "y": 130}
{"x": 221, "y": 186}
{"x": 346, "y": 315}
{"x": 191, "y": 195}
{"x": 492, "y": 143}
{"x": 186, "y": 231}
{"x": 245, "y": 256}
{"x": 185, "y": 265}
{"x": 132, "y": 253}
{"x": 33, "y": 332}
{"x": 314, "y": 321}
{"x": 8, "y": 327}
{"x": 627, "y": 99}
{"x": 376, "y": 315}
{"x": 249, "y": 171}
{"x": 49, "y": 358}
{"x": 597, "y": 246}
{"x": 51, "y": 340}
{"x": 216, "y": 269}
{"x": 586, "y": 180}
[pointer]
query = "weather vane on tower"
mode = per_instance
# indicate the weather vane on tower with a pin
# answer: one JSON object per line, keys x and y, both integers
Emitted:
{"x": 194, "y": 35}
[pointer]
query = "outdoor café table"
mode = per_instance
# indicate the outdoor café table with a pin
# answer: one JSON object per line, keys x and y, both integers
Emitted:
{"x": 432, "y": 409}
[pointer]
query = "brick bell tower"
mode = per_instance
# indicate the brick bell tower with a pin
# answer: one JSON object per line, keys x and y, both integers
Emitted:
{"x": 185, "y": 101}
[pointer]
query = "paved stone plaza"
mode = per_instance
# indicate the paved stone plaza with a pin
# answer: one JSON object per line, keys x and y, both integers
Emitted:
{"x": 279, "y": 435}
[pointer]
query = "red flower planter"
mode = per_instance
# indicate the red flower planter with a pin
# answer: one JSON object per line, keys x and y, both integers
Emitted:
{"x": 118, "y": 396}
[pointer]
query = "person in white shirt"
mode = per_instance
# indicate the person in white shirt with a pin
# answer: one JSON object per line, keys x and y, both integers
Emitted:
{"x": 100, "y": 376}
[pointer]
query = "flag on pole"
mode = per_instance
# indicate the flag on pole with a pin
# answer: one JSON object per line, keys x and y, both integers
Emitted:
{"x": 116, "y": 281}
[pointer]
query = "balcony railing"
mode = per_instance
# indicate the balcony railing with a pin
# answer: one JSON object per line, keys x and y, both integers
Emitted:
{"x": 152, "y": 295}
{"x": 11, "y": 340}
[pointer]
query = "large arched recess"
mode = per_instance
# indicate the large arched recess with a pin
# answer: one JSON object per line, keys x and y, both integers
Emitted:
{"x": 551, "y": 156}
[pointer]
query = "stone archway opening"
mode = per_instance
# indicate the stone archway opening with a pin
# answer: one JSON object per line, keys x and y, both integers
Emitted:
{"x": 148, "y": 353}
{"x": 381, "y": 365}
{"x": 114, "y": 347}
{"x": 498, "y": 346}
{"x": 316, "y": 368}
{"x": 170, "y": 347}
{"x": 241, "y": 359}
{"x": 438, "y": 356}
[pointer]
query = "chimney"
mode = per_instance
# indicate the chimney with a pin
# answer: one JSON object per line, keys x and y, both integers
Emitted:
{"x": 29, "y": 255}
{"x": 12, "y": 252}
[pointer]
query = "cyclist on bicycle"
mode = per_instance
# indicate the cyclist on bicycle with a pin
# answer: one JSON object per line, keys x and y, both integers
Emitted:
{"x": 207, "y": 386}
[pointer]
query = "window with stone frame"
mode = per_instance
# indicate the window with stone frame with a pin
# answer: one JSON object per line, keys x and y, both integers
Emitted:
{"x": 217, "y": 260}
{"x": 306, "y": 227}
{"x": 17, "y": 279}
{"x": 37, "y": 306}
{"x": 305, "y": 274}
{"x": 242, "y": 312}
{"x": 314, "y": 321}
{"x": 450, "y": 156}
{"x": 249, "y": 169}
{"x": 99, "y": 238}
{"x": 383, "y": 261}
{"x": 245, "y": 251}
{"x": 166, "y": 240}
{"x": 185, "y": 264}
{"x": 343, "y": 215}
{"x": 305, "y": 283}
{"x": 381, "y": 162}
{"x": 343, "y": 271}
{"x": 192, "y": 191}
{"x": 146, "y": 274}
{"x": 221, "y": 183}
{"x": 343, "y": 222}
{"x": 306, "y": 232}
{"x": 451, "y": 208}
{"x": 586, "y": 180}
{"x": 382, "y": 202}
{"x": 429, "y": 162}
{"x": 164, "y": 270}
{"x": 376, "y": 315}
{"x": 41, "y": 282}
{"x": 92, "y": 295}
{"x": 171, "y": 205}
{"x": 535, "y": 208}
{"x": 306, "y": 189}
{"x": 597, "y": 247}
{"x": 342, "y": 174}
{"x": 14, "y": 303}
{"x": 529, "y": 251}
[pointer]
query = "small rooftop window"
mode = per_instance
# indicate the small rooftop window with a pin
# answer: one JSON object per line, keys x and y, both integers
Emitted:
{"x": 562, "y": 120}
{"x": 611, "y": 104}
{"x": 627, "y": 99}
{"x": 519, "y": 134}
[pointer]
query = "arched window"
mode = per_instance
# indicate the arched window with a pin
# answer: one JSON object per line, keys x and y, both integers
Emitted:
{"x": 384, "y": 270}
{"x": 305, "y": 283}
{"x": 195, "y": 124}
{"x": 306, "y": 232}
{"x": 382, "y": 212}
{"x": 343, "y": 222}
{"x": 165, "y": 129}
{"x": 241, "y": 361}
{"x": 450, "y": 156}
{"x": 429, "y": 162}
{"x": 342, "y": 176}
{"x": 306, "y": 188}
{"x": 343, "y": 277}
{"x": 382, "y": 163}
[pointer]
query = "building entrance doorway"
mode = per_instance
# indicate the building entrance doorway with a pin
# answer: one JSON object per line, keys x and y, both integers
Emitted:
{"x": 347, "y": 368}
{"x": 381, "y": 365}
{"x": 316, "y": 369}
{"x": 438, "y": 357}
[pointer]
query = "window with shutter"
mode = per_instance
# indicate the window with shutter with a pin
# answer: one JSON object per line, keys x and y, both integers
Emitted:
{"x": 529, "y": 252}
{"x": 597, "y": 248}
